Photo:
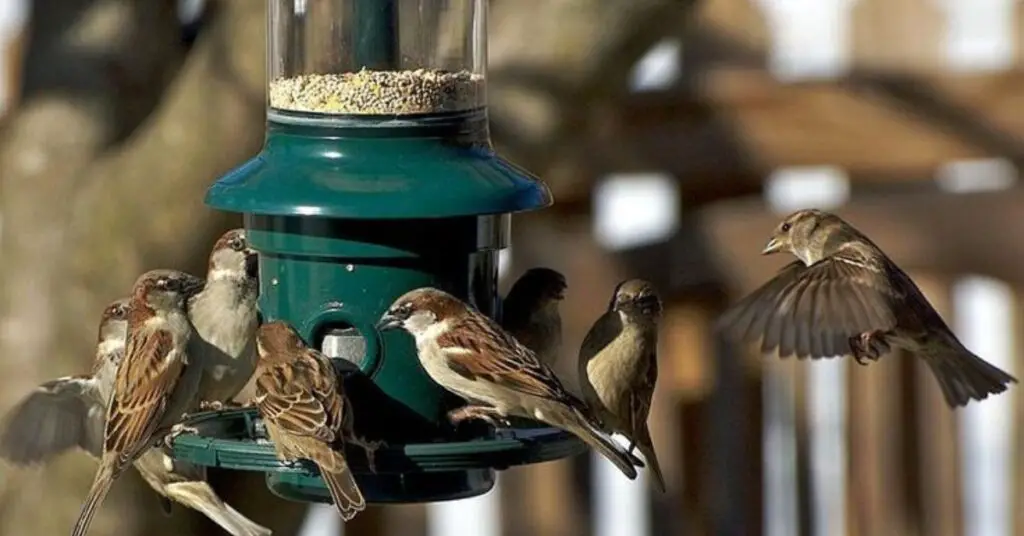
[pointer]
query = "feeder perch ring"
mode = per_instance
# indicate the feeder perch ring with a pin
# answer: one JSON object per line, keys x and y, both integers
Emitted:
{"x": 235, "y": 439}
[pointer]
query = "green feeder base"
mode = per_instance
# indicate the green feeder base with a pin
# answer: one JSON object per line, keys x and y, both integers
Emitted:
{"x": 417, "y": 472}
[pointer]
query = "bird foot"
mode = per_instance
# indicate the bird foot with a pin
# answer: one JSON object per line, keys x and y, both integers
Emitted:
{"x": 866, "y": 347}
{"x": 486, "y": 414}
{"x": 217, "y": 405}
{"x": 369, "y": 449}
{"x": 177, "y": 430}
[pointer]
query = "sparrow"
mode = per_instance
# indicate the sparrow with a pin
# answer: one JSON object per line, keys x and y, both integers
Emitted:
{"x": 618, "y": 367}
{"x": 844, "y": 296}
{"x": 154, "y": 386}
{"x": 224, "y": 314}
{"x": 305, "y": 411}
{"x": 468, "y": 354}
{"x": 530, "y": 312}
{"x": 70, "y": 412}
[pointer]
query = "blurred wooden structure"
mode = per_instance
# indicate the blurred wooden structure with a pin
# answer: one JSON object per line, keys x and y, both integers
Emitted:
{"x": 891, "y": 121}
{"x": 561, "y": 106}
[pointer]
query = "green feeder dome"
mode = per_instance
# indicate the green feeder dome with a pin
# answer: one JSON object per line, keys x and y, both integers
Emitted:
{"x": 377, "y": 177}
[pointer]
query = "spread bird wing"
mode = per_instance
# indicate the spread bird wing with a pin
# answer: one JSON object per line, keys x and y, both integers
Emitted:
{"x": 643, "y": 392}
{"x": 145, "y": 381}
{"x": 56, "y": 416}
{"x": 477, "y": 349}
{"x": 301, "y": 397}
{"x": 812, "y": 311}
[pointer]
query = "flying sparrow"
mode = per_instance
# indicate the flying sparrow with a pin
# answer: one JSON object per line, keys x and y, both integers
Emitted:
{"x": 224, "y": 314}
{"x": 843, "y": 296}
{"x": 470, "y": 355}
{"x": 618, "y": 366}
{"x": 530, "y": 312}
{"x": 304, "y": 409}
{"x": 68, "y": 412}
{"x": 154, "y": 386}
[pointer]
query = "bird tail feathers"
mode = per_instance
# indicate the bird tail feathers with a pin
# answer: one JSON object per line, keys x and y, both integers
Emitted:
{"x": 574, "y": 421}
{"x": 963, "y": 377}
{"x": 646, "y": 446}
{"x": 343, "y": 488}
{"x": 100, "y": 487}
{"x": 199, "y": 496}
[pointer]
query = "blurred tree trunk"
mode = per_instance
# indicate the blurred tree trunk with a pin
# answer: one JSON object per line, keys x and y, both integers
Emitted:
{"x": 92, "y": 72}
{"x": 106, "y": 162}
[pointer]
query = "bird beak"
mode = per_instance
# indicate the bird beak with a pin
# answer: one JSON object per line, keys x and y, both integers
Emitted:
{"x": 773, "y": 246}
{"x": 388, "y": 322}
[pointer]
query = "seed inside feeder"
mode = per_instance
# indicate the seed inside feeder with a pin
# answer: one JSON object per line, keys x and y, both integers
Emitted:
{"x": 371, "y": 92}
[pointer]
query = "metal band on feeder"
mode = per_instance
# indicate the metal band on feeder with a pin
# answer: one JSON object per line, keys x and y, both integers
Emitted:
{"x": 377, "y": 177}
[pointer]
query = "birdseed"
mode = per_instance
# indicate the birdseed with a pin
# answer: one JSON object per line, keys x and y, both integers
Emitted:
{"x": 379, "y": 92}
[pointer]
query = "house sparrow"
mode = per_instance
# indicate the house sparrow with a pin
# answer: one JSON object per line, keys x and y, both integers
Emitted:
{"x": 224, "y": 314}
{"x": 301, "y": 401}
{"x": 470, "y": 355}
{"x": 530, "y": 312}
{"x": 154, "y": 386}
{"x": 845, "y": 297}
{"x": 618, "y": 366}
{"x": 68, "y": 412}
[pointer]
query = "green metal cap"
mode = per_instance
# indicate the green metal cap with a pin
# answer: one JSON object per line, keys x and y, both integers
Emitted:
{"x": 426, "y": 167}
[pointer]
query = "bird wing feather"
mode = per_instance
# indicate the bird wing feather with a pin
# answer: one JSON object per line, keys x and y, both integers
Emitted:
{"x": 477, "y": 349}
{"x": 605, "y": 330}
{"x": 147, "y": 377}
{"x": 814, "y": 310}
{"x": 301, "y": 397}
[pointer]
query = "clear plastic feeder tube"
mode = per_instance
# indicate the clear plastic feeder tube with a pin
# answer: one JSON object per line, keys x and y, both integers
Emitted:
{"x": 376, "y": 57}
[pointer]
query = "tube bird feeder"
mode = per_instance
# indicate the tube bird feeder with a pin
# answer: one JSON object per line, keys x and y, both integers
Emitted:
{"x": 377, "y": 176}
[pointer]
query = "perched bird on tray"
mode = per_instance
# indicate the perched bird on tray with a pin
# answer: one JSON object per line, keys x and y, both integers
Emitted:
{"x": 470, "y": 355}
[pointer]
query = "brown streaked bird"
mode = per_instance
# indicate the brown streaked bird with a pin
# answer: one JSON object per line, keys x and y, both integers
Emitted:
{"x": 470, "y": 355}
{"x": 70, "y": 412}
{"x": 304, "y": 408}
{"x": 844, "y": 296}
{"x": 530, "y": 312}
{"x": 618, "y": 367}
{"x": 154, "y": 386}
{"x": 224, "y": 314}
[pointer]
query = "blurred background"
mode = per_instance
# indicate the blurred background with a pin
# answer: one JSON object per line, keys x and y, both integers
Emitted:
{"x": 673, "y": 133}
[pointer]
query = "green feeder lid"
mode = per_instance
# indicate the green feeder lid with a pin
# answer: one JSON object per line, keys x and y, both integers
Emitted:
{"x": 420, "y": 472}
{"x": 372, "y": 167}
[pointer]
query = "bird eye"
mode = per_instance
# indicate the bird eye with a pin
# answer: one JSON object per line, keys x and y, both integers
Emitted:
{"x": 237, "y": 244}
{"x": 786, "y": 226}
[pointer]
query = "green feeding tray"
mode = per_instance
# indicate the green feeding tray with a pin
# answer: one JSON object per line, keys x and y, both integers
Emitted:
{"x": 445, "y": 470}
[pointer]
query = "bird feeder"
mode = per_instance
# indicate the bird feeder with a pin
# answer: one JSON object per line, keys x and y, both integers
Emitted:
{"x": 377, "y": 176}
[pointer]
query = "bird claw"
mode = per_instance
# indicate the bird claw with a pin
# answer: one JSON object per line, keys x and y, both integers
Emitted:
{"x": 487, "y": 415}
{"x": 369, "y": 449}
{"x": 211, "y": 405}
{"x": 177, "y": 430}
{"x": 217, "y": 405}
{"x": 862, "y": 348}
